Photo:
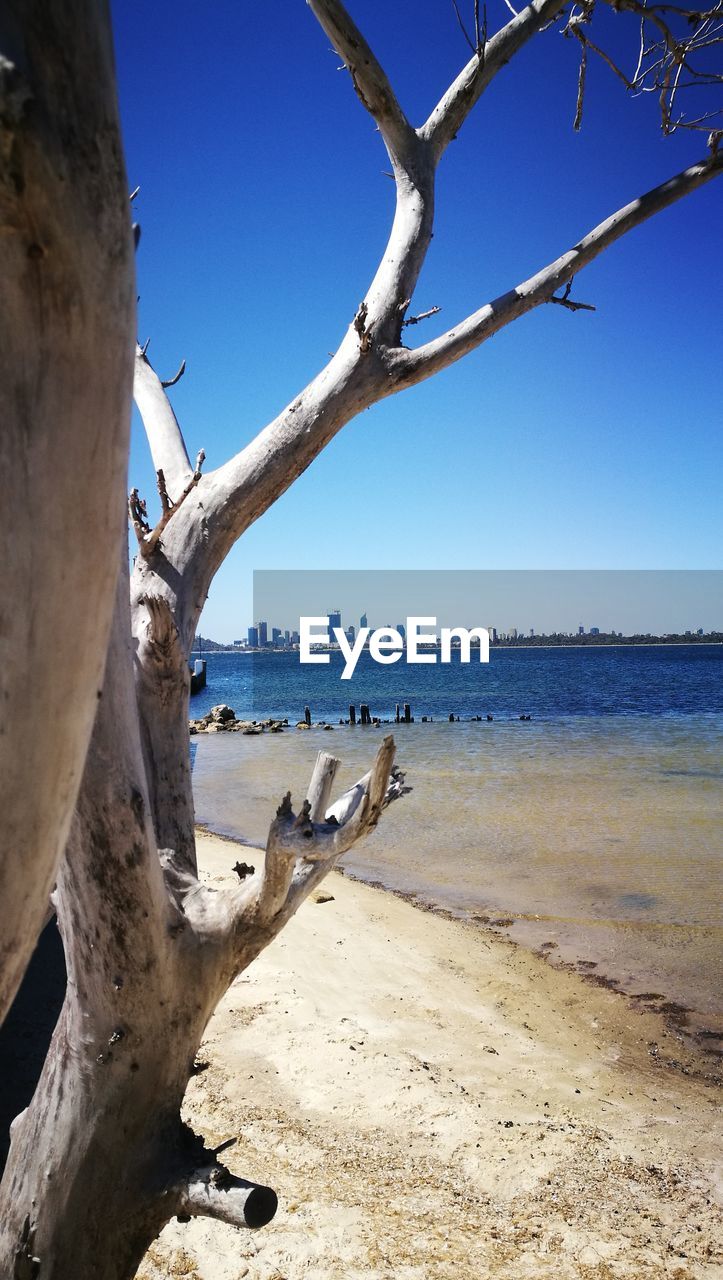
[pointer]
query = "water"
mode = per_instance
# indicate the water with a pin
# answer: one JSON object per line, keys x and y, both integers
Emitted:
{"x": 595, "y": 827}
{"x": 545, "y": 683}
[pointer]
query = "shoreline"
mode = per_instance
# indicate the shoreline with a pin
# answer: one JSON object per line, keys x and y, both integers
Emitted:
{"x": 703, "y": 1041}
{"x": 433, "y": 1101}
{"x": 630, "y": 644}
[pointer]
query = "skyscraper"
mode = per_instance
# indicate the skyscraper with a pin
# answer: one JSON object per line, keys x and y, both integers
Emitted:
{"x": 253, "y": 638}
{"x": 334, "y": 618}
{"x": 363, "y": 620}
{"x": 263, "y": 635}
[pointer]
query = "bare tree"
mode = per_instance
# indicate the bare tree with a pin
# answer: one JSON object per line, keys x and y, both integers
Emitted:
{"x": 100, "y": 1160}
{"x": 68, "y": 313}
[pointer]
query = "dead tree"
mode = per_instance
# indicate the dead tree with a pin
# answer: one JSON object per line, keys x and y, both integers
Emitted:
{"x": 67, "y": 317}
{"x": 100, "y": 1160}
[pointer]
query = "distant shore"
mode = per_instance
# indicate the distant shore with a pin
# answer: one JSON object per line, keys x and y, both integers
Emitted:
{"x": 430, "y": 1100}
{"x": 593, "y": 643}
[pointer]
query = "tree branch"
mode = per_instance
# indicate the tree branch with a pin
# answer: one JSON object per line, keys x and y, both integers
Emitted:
{"x": 213, "y": 1192}
{"x": 171, "y": 382}
{"x": 300, "y": 852}
{"x": 236, "y": 924}
{"x": 423, "y": 315}
{"x": 570, "y": 303}
{"x": 453, "y": 108}
{"x": 149, "y": 539}
{"x": 161, "y": 425}
{"x": 320, "y": 785}
{"x": 409, "y": 367}
{"x": 370, "y": 81}
{"x": 411, "y": 158}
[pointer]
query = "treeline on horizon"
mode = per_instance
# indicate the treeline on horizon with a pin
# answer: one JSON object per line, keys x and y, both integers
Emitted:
{"x": 557, "y": 639}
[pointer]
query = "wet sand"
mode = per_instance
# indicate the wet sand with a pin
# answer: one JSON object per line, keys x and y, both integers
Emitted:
{"x": 430, "y": 1100}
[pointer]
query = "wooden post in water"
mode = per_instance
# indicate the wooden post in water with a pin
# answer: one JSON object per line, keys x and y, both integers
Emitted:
{"x": 352, "y": 715}
{"x": 396, "y": 715}
{"x": 365, "y": 718}
{"x": 307, "y": 716}
{"x": 407, "y": 713}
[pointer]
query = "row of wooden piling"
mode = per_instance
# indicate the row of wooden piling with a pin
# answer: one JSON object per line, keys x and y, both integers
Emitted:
{"x": 403, "y": 715}
{"x": 365, "y": 717}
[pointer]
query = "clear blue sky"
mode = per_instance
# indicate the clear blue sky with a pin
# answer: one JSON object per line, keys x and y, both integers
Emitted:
{"x": 568, "y": 441}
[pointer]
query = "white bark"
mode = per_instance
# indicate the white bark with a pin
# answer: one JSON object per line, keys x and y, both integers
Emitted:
{"x": 100, "y": 1159}
{"x": 371, "y": 83}
{"x": 409, "y": 367}
{"x": 165, "y": 439}
{"x": 66, "y": 333}
{"x": 455, "y": 105}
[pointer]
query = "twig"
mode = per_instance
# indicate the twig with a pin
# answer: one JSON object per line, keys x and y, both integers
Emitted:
{"x": 480, "y": 36}
{"x": 166, "y": 503}
{"x": 462, "y": 27}
{"x": 360, "y": 324}
{"x": 171, "y": 382}
{"x": 569, "y": 303}
{"x": 580, "y": 88}
{"x": 138, "y": 511}
{"x": 149, "y": 539}
{"x": 423, "y": 315}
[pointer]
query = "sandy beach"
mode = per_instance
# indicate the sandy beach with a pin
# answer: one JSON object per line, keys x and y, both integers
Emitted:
{"x": 430, "y": 1100}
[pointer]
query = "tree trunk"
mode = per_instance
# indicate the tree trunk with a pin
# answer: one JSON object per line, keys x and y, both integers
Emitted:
{"x": 84, "y": 1154}
{"x": 100, "y": 1160}
{"x": 66, "y": 352}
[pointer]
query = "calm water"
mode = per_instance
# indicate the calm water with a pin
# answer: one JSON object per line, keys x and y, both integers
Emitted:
{"x": 548, "y": 683}
{"x": 597, "y": 826}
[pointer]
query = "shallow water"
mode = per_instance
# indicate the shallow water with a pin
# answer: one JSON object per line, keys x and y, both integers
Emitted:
{"x": 601, "y": 835}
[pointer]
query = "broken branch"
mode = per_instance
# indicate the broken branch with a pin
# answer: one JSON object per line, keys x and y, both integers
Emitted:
{"x": 567, "y": 301}
{"x": 138, "y": 512}
{"x": 213, "y": 1192}
{"x": 423, "y": 315}
{"x": 360, "y": 325}
{"x": 149, "y": 539}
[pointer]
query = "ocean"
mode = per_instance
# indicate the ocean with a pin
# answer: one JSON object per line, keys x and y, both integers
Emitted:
{"x": 593, "y": 830}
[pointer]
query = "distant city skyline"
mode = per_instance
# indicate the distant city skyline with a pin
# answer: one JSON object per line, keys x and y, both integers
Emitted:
{"x": 627, "y": 602}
